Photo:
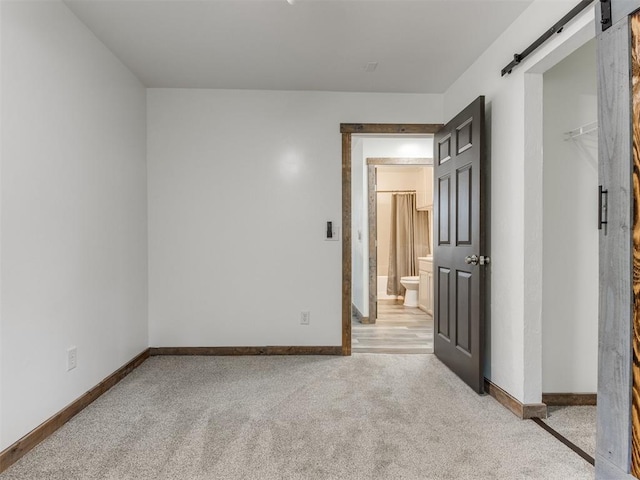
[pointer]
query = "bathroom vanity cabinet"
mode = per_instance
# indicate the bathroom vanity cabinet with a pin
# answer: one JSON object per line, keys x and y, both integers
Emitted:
{"x": 425, "y": 291}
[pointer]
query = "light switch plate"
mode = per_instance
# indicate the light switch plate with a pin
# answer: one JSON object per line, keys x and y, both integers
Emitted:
{"x": 335, "y": 230}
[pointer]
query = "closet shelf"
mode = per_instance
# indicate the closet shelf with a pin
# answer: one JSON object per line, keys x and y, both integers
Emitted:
{"x": 580, "y": 131}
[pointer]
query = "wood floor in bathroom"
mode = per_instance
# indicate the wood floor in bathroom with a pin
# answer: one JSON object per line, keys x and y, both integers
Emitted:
{"x": 397, "y": 330}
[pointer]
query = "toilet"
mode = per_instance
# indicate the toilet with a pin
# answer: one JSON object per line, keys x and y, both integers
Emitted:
{"x": 411, "y": 295}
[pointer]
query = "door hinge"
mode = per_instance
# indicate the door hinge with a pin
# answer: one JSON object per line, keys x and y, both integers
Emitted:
{"x": 605, "y": 14}
{"x": 603, "y": 215}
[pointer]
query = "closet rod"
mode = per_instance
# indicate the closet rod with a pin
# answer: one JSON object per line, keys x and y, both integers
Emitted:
{"x": 395, "y": 191}
{"x": 583, "y": 130}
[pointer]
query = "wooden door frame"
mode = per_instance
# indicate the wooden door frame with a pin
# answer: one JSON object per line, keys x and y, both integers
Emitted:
{"x": 347, "y": 130}
{"x": 372, "y": 163}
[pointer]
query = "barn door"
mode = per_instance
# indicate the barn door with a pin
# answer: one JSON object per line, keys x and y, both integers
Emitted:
{"x": 460, "y": 258}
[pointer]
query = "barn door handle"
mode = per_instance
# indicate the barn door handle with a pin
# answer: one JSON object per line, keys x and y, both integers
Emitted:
{"x": 476, "y": 260}
{"x": 603, "y": 216}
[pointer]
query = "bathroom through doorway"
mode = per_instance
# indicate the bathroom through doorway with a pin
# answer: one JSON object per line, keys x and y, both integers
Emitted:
{"x": 392, "y": 202}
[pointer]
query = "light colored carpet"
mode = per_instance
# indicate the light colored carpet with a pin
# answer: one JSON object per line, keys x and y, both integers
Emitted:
{"x": 577, "y": 424}
{"x": 362, "y": 417}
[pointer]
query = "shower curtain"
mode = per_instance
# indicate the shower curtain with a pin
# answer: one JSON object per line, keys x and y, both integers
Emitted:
{"x": 409, "y": 240}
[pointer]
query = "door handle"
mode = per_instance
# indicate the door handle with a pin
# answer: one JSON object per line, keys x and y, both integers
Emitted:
{"x": 476, "y": 260}
{"x": 603, "y": 214}
{"x": 472, "y": 260}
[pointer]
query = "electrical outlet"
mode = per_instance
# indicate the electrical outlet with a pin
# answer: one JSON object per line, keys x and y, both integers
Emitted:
{"x": 305, "y": 318}
{"x": 72, "y": 358}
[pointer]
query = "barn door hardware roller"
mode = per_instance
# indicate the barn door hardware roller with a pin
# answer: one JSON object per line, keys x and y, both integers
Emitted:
{"x": 605, "y": 14}
{"x": 557, "y": 28}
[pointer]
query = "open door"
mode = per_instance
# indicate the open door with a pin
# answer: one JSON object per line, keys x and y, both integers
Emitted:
{"x": 460, "y": 260}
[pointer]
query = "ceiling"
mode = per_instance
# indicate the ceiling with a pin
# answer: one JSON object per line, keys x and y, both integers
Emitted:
{"x": 420, "y": 46}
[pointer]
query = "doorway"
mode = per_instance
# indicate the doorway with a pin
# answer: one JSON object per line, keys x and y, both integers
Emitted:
{"x": 570, "y": 247}
{"x": 348, "y": 257}
{"x": 398, "y": 223}
{"x": 460, "y": 178}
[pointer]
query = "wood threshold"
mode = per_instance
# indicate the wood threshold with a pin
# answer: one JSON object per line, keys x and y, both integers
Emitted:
{"x": 569, "y": 399}
{"x": 16, "y": 451}
{"x": 519, "y": 409}
{"x": 231, "y": 351}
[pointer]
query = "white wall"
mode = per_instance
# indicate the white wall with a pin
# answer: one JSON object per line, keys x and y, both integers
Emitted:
{"x": 407, "y": 146}
{"x": 570, "y": 248}
{"x": 514, "y": 128}
{"x": 73, "y": 224}
{"x": 359, "y": 249}
{"x": 241, "y": 184}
